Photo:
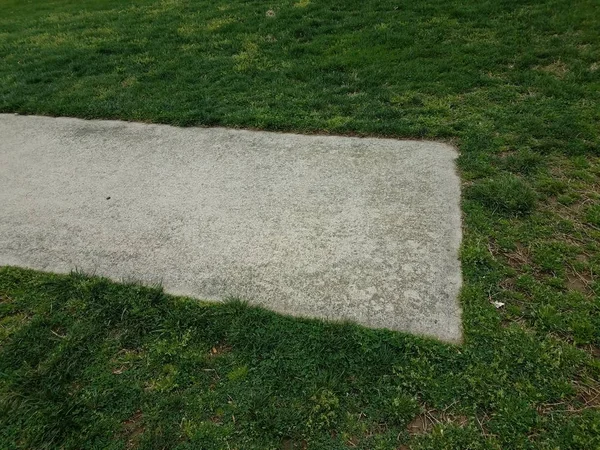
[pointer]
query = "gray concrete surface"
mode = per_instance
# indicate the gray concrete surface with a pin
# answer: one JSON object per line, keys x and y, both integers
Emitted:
{"x": 338, "y": 228}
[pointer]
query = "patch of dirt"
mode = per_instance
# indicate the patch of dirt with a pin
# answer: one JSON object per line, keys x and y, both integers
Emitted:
{"x": 461, "y": 421}
{"x": 216, "y": 420}
{"x": 133, "y": 429}
{"x": 424, "y": 422}
{"x": 219, "y": 350}
{"x": 289, "y": 444}
{"x": 557, "y": 68}
{"x": 378, "y": 428}
{"x": 420, "y": 425}
{"x": 519, "y": 257}
{"x": 577, "y": 282}
{"x": 4, "y": 298}
{"x": 507, "y": 284}
{"x": 589, "y": 396}
{"x": 352, "y": 442}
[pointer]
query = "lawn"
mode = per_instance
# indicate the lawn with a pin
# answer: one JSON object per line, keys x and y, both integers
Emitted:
{"x": 515, "y": 85}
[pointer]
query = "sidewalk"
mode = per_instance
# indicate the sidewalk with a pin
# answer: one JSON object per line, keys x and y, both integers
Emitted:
{"x": 339, "y": 228}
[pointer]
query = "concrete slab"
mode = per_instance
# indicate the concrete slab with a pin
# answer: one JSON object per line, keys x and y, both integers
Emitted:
{"x": 338, "y": 228}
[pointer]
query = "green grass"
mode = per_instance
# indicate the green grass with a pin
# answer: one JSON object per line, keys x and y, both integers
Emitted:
{"x": 85, "y": 363}
{"x": 506, "y": 194}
